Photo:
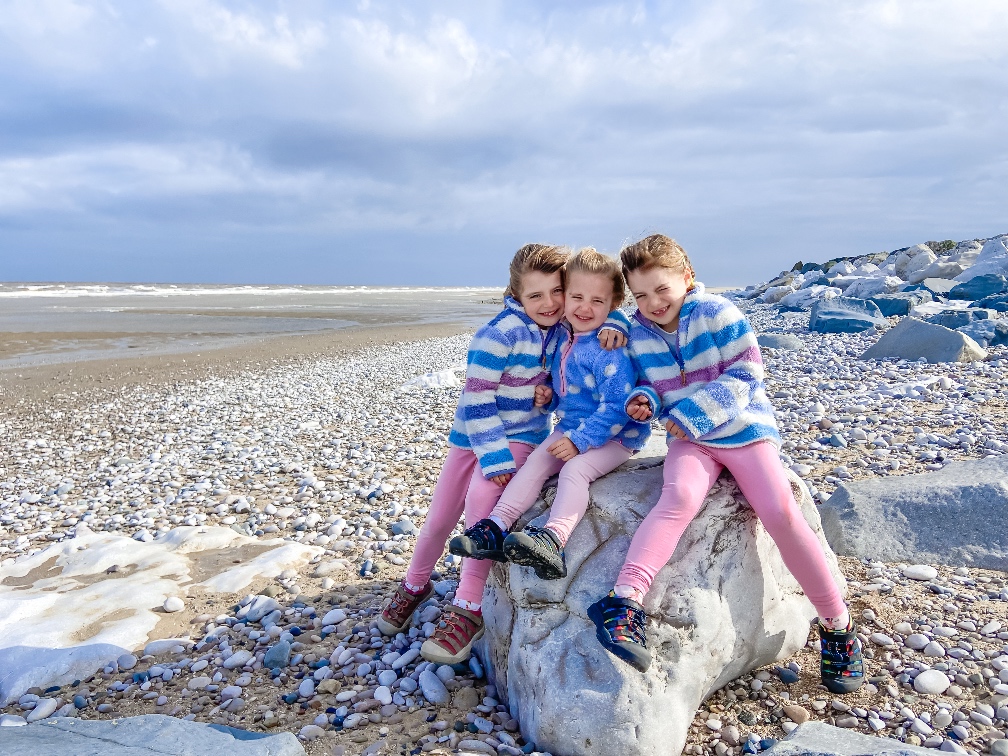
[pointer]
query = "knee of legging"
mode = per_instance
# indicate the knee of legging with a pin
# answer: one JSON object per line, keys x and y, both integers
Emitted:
{"x": 678, "y": 494}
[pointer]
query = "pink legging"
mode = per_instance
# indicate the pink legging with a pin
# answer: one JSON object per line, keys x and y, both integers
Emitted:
{"x": 690, "y": 472}
{"x": 460, "y": 489}
{"x": 571, "y": 500}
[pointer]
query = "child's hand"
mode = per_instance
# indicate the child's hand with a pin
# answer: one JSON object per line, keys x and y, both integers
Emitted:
{"x": 611, "y": 339}
{"x": 543, "y": 395}
{"x": 675, "y": 430}
{"x": 639, "y": 408}
{"x": 502, "y": 480}
{"x": 564, "y": 450}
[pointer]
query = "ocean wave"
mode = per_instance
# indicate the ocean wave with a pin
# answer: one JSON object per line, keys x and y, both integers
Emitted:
{"x": 54, "y": 290}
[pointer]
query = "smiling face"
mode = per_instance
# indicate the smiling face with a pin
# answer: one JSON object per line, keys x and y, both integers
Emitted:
{"x": 542, "y": 296}
{"x": 589, "y": 300}
{"x": 659, "y": 293}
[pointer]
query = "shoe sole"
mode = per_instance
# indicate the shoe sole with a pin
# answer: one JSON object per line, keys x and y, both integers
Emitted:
{"x": 595, "y": 615}
{"x": 387, "y": 628}
{"x": 464, "y": 547}
{"x": 841, "y": 687}
{"x": 432, "y": 652}
{"x": 528, "y": 556}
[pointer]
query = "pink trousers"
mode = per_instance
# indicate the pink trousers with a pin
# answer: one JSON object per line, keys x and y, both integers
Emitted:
{"x": 460, "y": 489}
{"x": 690, "y": 472}
{"x": 571, "y": 500}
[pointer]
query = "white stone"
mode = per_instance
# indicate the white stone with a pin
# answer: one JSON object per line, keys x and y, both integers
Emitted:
{"x": 173, "y": 604}
{"x": 931, "y": 682}
{"x": 920, "y": 572}
{"x": 724, "y": 605}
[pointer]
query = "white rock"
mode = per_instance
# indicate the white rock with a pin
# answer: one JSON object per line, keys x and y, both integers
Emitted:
{"x": 173, "y": 604}
{"x": 920, "y": 572}
{"x": 44, "y": 708}
{"x": 718, "y": 603}
{"x": 931, "y": 682}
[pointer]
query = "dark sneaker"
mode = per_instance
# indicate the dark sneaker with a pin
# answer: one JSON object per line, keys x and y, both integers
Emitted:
{"x": 841, "y": 662}
{"x": 453, "y": 637}
{"x": 539, "y": 549}
{"x": 484, "y": 540}
{"x": 619, "y": 626}
{"x": 397, "y": 613}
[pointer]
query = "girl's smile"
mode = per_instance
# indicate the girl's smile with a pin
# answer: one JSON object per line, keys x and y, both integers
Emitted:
{"x": 542, "y": 297}
{"x": 589, "y": 300}
{"x": 660, "y": 293}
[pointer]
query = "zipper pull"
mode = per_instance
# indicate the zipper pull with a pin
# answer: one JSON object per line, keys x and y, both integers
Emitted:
{"x": 682, "y": 376}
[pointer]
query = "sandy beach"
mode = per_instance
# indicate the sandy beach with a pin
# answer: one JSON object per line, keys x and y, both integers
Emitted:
{"x": 23, "y": 386}
{"x": 311, "y": 443}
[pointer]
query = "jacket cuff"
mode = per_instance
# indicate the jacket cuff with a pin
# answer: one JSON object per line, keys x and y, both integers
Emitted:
{"x": 654, "y": 403}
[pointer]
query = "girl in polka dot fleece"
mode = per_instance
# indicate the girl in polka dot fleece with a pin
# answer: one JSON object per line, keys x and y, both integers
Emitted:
{"x": 594, "y": 433}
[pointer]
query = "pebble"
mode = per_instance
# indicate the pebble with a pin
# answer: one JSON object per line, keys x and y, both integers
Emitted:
{"x": 920, "y": 572}
{"x": 433, "y": 689}
{"x": 931, "y": 682}
{"x": 44, "y": 708}
{"x": 277, "y": 655}
{"x": 173, "y": 604}
{"x": 126, "y": 661}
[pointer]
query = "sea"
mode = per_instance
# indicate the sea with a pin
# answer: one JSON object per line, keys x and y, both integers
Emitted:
{"x": 49, "y": 323}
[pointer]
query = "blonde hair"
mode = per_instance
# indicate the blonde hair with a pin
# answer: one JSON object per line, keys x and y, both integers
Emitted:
{"x": 655, "y": 251}
{"x": 542, "y": 258}
{"x": 588, "y": 260}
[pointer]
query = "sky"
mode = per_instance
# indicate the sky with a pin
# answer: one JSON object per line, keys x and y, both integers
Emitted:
{"x": 423, "y": 143}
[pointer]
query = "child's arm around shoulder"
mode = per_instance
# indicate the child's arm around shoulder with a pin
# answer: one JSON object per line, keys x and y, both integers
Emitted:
{"x": 615, "y": 331}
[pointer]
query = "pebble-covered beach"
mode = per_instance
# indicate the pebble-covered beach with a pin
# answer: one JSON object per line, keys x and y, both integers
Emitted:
{"x": 332, "y": 452}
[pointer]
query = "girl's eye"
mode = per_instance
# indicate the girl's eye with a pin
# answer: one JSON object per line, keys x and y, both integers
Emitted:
{"x": 639, "y": 296}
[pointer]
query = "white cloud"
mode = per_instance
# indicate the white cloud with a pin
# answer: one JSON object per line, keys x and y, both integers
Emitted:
{"x": 774, "y": 121}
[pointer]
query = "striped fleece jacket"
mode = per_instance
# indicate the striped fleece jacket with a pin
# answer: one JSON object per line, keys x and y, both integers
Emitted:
{"x": 590, "y": 390}
{"x": 715, "y": 390}
{"x": 508, "y": 358}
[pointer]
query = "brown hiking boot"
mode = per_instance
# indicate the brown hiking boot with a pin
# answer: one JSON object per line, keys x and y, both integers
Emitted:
{"x": 395, "y": 617}
{"x": 453, "y": 637}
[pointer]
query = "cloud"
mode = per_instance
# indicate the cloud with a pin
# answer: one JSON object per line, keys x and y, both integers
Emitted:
{"x": 756, "y": 132}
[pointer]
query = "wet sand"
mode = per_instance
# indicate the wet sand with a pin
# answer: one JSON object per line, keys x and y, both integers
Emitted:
{"x": 23, "y": 386}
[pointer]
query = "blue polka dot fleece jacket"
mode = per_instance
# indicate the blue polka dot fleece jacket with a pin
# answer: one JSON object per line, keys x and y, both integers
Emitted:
{"x": 590, "y": 390}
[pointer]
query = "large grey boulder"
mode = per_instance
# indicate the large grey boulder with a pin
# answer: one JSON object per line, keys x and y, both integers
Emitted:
{"x": 141, "y": 736}
{"x": 912, "y": 339}
{"x": 820, "y": 739}
{"x": 723, "y": 605}
{"x": 845, "y": 315}
{"x": 957, "y": 516}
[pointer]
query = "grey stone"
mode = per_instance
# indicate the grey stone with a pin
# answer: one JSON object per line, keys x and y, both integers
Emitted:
{"x": 819, "y": 739}
{"x": 277, "y": 655}
{"x": 957, "y": 318}
{"x": 901, "y": 302}
{"x": 987, "y": 333}
{"x": 136, "y": 736}
{"x": 724, "y": 605}
{"x": 433, "y": 689}
{"x": 997, "y": 302}
{"x": 955, "y": 516}
{"x": 780, "y": 341}
{"x": 845, "y": 315}
{"x": 979, "y": 287}
{"x": 913, "y": 339}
